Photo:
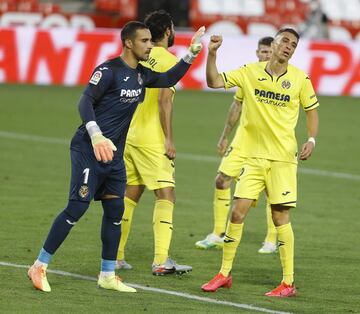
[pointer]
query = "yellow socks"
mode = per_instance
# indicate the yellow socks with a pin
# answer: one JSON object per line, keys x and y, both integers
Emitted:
{"x": 286, "y": 250}
{"x": 162, "y": 225}
{"x": 221, "y": 210}
{"x": 271, "y": 229}
{"x": 231, "y": 242}
{"x": 125, "y": 226}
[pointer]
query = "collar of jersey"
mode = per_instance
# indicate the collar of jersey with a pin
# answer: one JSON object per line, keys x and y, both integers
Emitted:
{"x": 272, "y": 78}
{"x": 127, "y": 66}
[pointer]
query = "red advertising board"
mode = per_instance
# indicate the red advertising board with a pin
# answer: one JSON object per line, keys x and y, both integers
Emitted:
{"x": 66, "y": 56}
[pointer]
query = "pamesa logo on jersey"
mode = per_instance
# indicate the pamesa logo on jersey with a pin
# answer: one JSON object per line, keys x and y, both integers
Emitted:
{"x": 271, "y": 98}
{"x": 130, "y": 92}
{"x": 130, "y": 95}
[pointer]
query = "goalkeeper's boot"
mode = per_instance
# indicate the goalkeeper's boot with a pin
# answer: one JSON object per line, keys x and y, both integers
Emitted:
{"x": 113, "y": 283}
{"x": 217, "y": 282}
{"x": 122, "y": 264}
{"x": 37, "y": 275}
{"x": 268, "y": 248}
{"x": 211, "y": 241}
{"x": 282, "y": 291}
{"x": 170, "y": 267}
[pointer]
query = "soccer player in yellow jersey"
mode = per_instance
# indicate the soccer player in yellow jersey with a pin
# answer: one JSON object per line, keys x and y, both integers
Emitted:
{"x": 272, "y": 93}
{"x": 229, "y": 170}
{"x": 150, "y": 152}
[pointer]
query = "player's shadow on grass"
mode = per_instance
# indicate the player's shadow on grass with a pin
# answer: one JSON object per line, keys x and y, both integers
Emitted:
{"x": 256, "y": 276}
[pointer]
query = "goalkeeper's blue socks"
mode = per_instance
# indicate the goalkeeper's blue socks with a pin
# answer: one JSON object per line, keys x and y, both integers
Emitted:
{"x": 44, "y": 258}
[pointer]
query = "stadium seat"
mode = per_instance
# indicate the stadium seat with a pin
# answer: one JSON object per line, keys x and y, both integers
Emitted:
{"x": 7, "y": 5}
{"x": 344, "y": 10}
{"x": 49, "y": 8}
{"x": 110, "y": 6}
{"x": 124, "y": 8}
{"x": 27, "y": 5}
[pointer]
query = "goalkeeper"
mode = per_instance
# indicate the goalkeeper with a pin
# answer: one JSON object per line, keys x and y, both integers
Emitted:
{"x": 97, "y": 167}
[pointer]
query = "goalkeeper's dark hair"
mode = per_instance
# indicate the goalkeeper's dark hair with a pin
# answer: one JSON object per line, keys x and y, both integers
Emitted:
{"x": 158, "y": 22}
{"x": 129, "y": 30}
{"x": 266, "y": 41}
{"x": 288, "y": 30}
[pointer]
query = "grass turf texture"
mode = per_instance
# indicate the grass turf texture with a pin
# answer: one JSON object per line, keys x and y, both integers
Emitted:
{"x": 34, "y": 178}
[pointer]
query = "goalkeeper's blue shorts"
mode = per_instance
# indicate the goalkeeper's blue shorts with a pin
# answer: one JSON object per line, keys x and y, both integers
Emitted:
{"x": 91, "y": 179}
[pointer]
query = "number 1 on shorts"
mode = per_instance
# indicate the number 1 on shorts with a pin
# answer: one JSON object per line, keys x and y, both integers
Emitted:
{"x": 86, "y": 177}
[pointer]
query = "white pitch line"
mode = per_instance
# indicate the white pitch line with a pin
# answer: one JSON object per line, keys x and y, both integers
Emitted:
{"x": 185, "y": 156}
{"x": 33, "y": 138}
{"x": 174, "y": 293}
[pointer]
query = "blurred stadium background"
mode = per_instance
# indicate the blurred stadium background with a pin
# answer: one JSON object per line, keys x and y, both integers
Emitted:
{"x": 47, "y": 52}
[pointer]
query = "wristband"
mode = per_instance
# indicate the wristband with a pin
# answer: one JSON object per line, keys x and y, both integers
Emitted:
{"x": 189, "y": 57}
{"x": 312, "y": 140}
{"x": 92, "y": 128}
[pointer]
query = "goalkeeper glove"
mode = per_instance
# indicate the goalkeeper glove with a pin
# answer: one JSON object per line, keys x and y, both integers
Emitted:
{"x": 103, "y": 147}
{"x": 195, "y": 46}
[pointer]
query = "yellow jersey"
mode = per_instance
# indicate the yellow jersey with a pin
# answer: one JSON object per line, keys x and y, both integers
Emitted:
{"x": 270, "y": 110}
{"x": 145, "y": 128}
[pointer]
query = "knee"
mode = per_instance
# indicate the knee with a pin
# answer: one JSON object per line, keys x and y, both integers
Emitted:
{"x": 113, "y": 208}
{"x": 280, "y": 220}
{"x": 76, "y": 209}
{"x": 222, "y": 181}
{"x": 237, "y": 216}
{"x": 166, "y": 194}
{"x": 280, "y": 216}
{"x": 134, "y": 192}
{"x": 239, "y": 210}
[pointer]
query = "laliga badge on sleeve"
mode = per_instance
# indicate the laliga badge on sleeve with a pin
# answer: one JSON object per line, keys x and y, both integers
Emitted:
{"x": 95, "y": 79}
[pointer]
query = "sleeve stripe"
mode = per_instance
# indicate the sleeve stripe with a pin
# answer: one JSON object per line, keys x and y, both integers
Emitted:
{"x": 225, "y": 77}
{"x": 311, "y": 105}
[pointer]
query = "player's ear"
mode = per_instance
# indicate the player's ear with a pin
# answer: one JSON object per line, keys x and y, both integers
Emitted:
{"x": 128, "y": 43}
{"x": 168, "y": 32}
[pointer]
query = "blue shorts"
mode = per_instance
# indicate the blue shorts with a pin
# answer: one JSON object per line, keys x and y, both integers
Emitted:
{"x": 91, "y": 179}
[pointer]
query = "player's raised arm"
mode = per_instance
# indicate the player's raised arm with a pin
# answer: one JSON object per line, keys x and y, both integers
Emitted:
{"x": 213, "y": 77}
{"x": 173, "y": 75}
{"x": 312, "y": 122}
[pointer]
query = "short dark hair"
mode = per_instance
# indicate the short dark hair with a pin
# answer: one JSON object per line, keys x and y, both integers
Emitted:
{"x": 288, "y": 30}
{"x": 158, "y": 22}
{"x": 129, "y": 30}
{"x": 266, "y": 41}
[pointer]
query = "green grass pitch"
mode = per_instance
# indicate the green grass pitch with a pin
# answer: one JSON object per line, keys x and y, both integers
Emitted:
{"x": 34, "y": 178}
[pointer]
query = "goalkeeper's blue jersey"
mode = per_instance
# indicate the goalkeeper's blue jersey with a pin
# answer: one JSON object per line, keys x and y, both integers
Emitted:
{"x": 116, "y": 89}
